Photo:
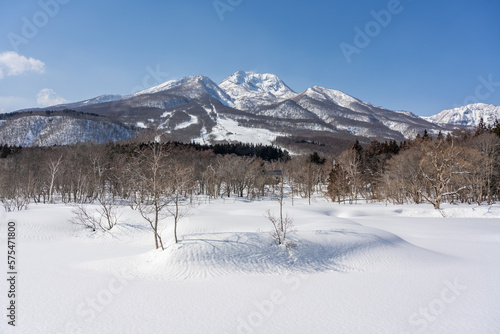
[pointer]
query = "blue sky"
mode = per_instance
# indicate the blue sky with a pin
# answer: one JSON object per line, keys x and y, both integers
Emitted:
{"x": 420, "y": 55}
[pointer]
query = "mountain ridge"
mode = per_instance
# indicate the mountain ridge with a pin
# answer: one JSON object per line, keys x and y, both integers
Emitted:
{"x": 195, "y": 108}
{"x": 469, "y": 115}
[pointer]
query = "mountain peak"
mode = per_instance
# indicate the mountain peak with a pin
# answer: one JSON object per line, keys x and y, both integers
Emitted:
{"x": 469, "y": 115}
{"x": 265, "y": 83}
{"x": 175, "y": 83}
{"x": 331, "y": 95}
{"x": 192, "y": 87}
{"x": 246, "y": 87}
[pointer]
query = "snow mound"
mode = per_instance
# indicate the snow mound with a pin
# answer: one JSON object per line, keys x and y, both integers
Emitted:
{"x": 45, "y": 228}
{"x": 205, "y": 255}
{"x": 451, "y": 211}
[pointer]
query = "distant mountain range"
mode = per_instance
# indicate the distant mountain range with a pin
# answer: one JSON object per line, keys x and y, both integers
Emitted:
{"x": 468, "y": 116}
{"x": 246, "y": 107}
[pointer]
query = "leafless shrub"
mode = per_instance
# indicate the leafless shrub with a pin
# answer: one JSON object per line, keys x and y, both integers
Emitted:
{"x": 83, "y": 216}
{"x": 18, "y": 203}
{"x": 104, "y": 217}
{"x": 282, "y": 226}
{"x": 108, "y": 211}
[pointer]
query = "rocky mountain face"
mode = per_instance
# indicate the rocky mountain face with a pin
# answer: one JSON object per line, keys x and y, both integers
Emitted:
{"x": 246, "y": 107}
{"x": 250, "y": 90}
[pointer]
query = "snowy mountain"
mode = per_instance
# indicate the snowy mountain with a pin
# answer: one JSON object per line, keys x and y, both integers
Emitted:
{"x": 249, "y": 89}
{"x": 191, "y": 87}
{"x": 246, "y": 106}
{"x": 359, "y": 118}
{"x": 96, "y": 100}
{"x": 469, "y": 115}
{"x": 330, "y": 95}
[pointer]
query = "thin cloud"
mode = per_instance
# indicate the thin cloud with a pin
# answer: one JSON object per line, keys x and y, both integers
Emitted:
{"x": 48, "y": 97}
{"x": 12, "y": 63}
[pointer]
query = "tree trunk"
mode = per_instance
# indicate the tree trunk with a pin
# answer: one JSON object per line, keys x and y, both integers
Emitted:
{"x": 176, "y": 217}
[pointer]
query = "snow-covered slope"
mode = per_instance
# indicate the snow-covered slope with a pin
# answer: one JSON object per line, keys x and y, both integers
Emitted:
{"x": 228, "y": 130}
{"x": 99, "y": 99}
{"x": 59, "y": 130}
{"x": 249, "y": 89}
{"x": 330, "y": 95}
{"x": 469, "y": 115}
{"x": 191, "y": 87}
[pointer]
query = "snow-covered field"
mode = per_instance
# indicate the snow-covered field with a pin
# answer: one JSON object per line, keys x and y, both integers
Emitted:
{"x": 366, "y": 268}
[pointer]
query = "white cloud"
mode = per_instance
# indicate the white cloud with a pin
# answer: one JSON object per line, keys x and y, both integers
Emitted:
{"x": 47, "y": 97}
{"x": 12, "y": 63}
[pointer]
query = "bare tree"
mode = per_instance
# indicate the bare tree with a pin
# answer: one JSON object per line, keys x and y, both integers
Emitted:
{"x": 209, "y": 177}
{"x": 181, "y": 183}
{"x": 149, "y": 175}
{"x": 108, "y": 210}
{"x": 307, "y": 177}
{"x": 488, "y": 144}
{"x": 282, "y": 225}
{"x": 53, "y": 167}
{"x": 402, "y": 179}
{"x": 441, "y": 165}
{"x": 257, "y": 179}
{"x": 475, "y": 180}
{"x": 241, "y": 175}
{"x": 350, "y": 162}
{"x": 14, "y": 192}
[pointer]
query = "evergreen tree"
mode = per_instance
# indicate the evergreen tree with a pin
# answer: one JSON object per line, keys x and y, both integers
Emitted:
{"x": 481, "y": 128}
{"x": 440, "y": 136}
{"x": 358, "y": 148}
{"x": 496, "y": 128}
{"x": 316, "y": 159}
{"x": 426, "y": 135}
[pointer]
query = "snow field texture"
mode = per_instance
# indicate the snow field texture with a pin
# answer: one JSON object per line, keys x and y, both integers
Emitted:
{"x": 366, "y": 268}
